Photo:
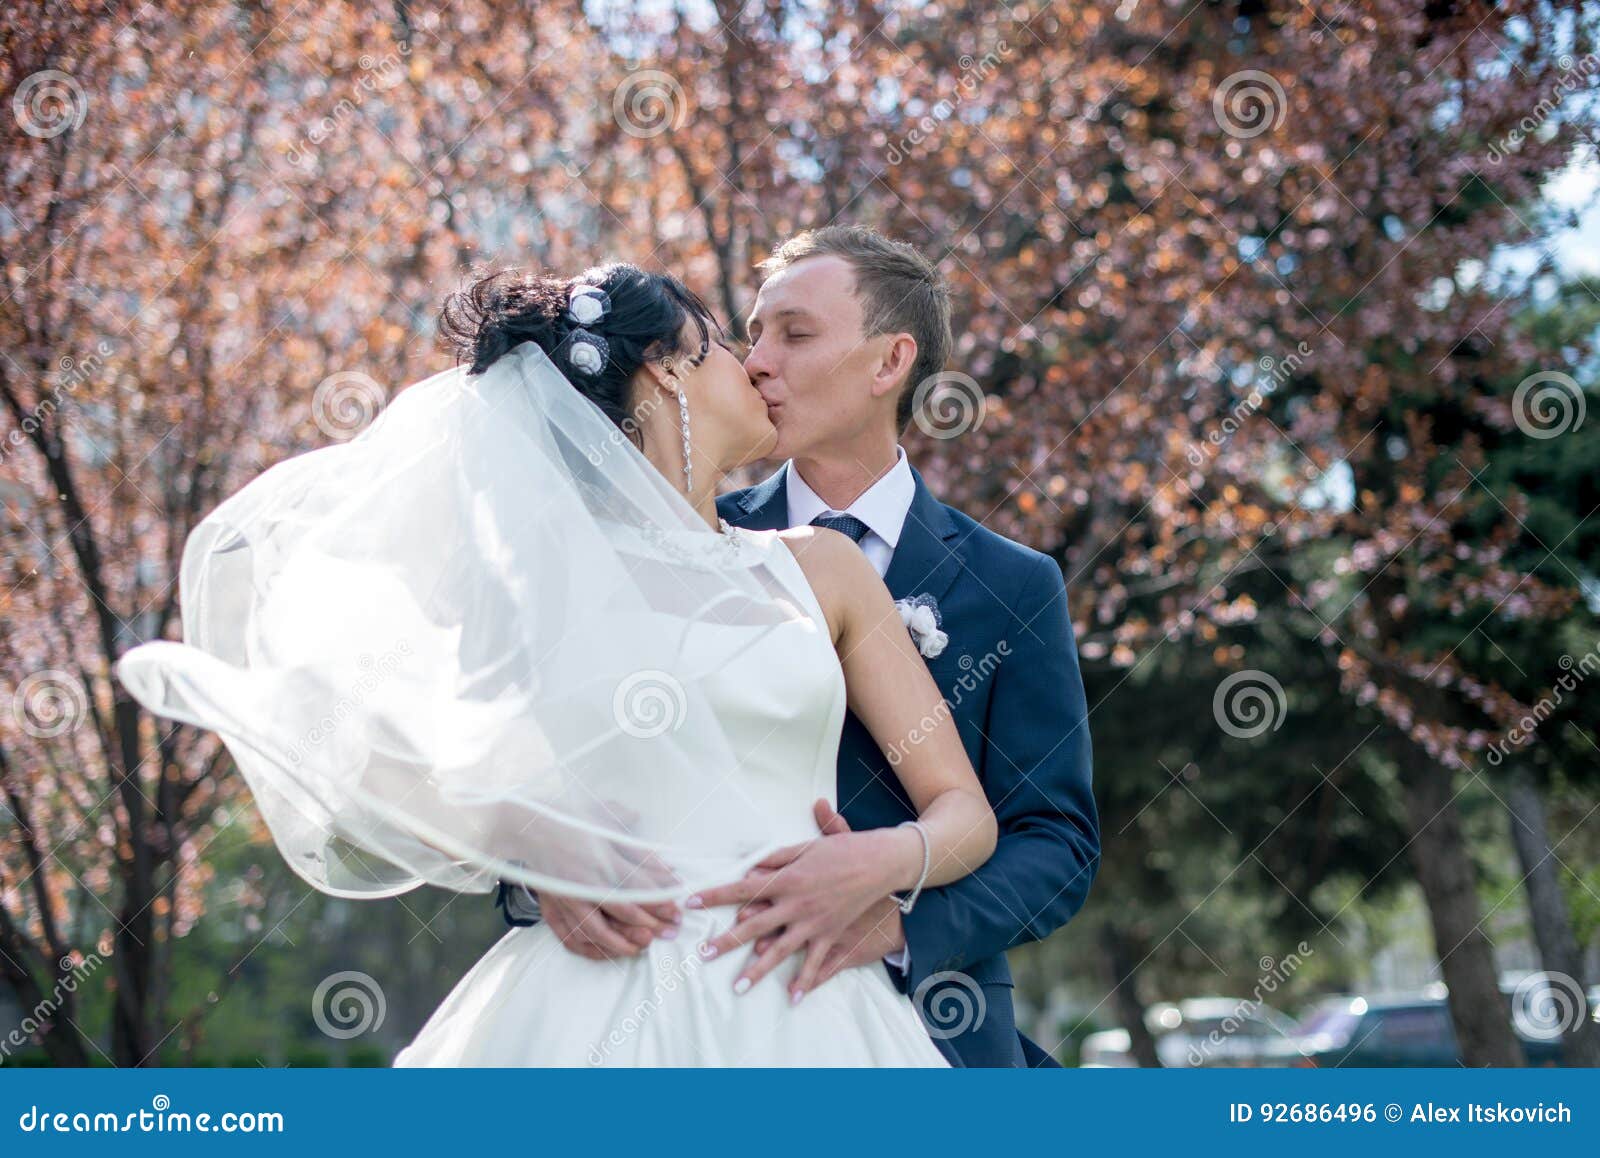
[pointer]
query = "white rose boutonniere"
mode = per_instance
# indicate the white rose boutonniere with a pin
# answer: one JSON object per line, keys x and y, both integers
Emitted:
{"x": 920, "y": 614}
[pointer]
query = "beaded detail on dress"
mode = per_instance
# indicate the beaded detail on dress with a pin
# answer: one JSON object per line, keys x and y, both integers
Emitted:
{"x": 730, "y": 548}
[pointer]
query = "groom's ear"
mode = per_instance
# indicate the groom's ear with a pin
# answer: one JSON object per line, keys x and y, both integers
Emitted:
{"x": 899, "y": 356}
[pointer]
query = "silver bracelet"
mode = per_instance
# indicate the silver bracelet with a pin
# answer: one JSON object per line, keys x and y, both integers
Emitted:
{"x": 927, "y": 863}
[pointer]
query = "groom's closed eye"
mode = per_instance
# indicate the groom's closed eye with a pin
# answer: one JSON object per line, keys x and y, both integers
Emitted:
{"x": 797, "y": 325}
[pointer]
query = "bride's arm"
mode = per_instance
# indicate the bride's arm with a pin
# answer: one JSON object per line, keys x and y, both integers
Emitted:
{"x": 809, "y": 895}
{"x": 888, "y": 687}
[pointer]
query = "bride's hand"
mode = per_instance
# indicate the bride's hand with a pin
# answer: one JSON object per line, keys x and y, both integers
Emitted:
{"x": 602, "y": 932}
{"x": 812, "y": 893}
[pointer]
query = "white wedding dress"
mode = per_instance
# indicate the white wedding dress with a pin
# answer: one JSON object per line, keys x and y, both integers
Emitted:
{"x": 529, "y": 1001}
{"x": 486, "y": 640}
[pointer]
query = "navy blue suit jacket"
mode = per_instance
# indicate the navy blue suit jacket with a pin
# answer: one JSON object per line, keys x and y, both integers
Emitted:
{"x": 1010, "y": 678}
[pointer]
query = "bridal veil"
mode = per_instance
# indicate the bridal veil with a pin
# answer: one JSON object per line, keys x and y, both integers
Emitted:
{"x": 470, "y": 644}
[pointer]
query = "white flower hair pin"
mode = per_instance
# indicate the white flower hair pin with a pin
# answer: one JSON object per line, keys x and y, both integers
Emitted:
{"x": 587, "y": 352}
{"x": 920, "y": 614}
{"x": 587, "y": 304}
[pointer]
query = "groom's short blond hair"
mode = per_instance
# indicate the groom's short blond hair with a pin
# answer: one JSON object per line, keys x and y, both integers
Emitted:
{"x": 901, "y": 291}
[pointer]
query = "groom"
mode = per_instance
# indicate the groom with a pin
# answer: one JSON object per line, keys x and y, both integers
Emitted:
{"x": 845, "y": 327}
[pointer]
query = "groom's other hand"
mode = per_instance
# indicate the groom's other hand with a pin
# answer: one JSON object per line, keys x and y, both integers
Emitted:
{"x": 837, "y": 935}
{"x": 867, "y": 940}
{"x": 602, "y": 932}
{"x": 871, "y": 937}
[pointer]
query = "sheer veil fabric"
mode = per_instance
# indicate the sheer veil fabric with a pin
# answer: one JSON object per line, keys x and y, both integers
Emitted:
{"x": 471, "y": 644}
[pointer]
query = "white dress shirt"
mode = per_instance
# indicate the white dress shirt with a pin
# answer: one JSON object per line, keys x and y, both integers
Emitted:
{"x": 883, "y": 508}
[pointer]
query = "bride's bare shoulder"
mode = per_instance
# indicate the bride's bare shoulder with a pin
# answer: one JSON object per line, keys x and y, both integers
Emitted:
{"x": 832, "y": 563}
{"x": 818, "y": 546}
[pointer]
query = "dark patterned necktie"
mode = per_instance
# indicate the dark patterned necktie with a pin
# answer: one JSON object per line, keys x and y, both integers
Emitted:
{"x": 848, "y": 524}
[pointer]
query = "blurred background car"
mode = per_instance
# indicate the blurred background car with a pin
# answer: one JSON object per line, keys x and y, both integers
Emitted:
{"x": 1203, "y": 1031}
{"x": 1409, "y": 1031}
{"x": 1373, "y": 1030}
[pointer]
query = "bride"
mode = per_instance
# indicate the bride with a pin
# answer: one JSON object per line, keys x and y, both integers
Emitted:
{"x": 502, "y": 634}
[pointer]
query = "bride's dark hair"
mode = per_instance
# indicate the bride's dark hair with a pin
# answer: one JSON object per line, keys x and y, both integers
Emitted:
{"x": 501, "y": 310}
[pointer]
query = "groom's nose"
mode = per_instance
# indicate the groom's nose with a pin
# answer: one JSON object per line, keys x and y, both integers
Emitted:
{"x": 758, "y": 364}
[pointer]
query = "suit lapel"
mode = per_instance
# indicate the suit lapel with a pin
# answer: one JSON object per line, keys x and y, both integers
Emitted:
{"x": 765, "y": 506}
{"x": 927, "y": 559}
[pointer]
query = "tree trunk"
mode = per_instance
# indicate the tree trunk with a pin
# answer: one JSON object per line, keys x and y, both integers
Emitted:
{"x": 1445, "y": 870}
{"x": 60, "y": 1038}
{"x": 1552, "y": 921}
{"x": 133, "y": 958}
{"x": 1124, "y": 982}
{"x": 130, "y": 1012}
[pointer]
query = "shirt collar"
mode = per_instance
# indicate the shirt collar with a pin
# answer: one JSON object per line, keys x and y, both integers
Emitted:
{"x": 882, "y": 506}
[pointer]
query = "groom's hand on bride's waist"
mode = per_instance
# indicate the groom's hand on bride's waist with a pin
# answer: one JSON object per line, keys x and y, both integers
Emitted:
{"x": 602, "y": 931}
{"x": 826, "y": 897}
